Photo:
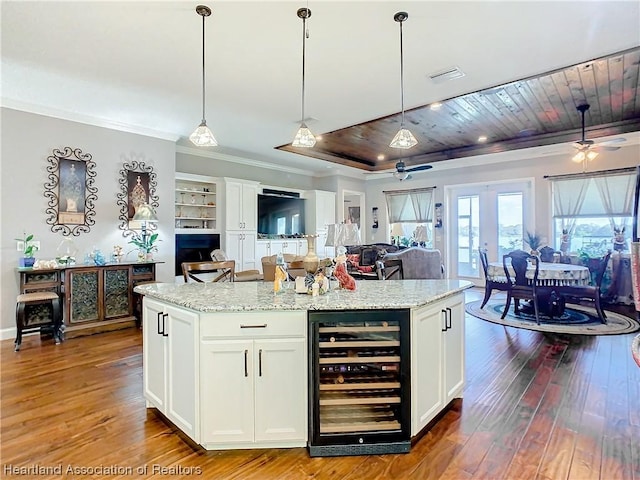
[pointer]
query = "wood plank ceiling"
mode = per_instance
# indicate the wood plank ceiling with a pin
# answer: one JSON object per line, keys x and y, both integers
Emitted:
{"x": 531, "y": 112}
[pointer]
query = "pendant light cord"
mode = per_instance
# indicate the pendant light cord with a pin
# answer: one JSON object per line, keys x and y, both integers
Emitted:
{"x": 203, "y": 79}
{"x": 401, "y": 77}
{"x": 304, "y": 36}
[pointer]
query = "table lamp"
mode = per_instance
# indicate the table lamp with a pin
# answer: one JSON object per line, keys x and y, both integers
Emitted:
{"x": 145, "y": 214}
{"x": 397, "y": 232}
{"x": 420, "y": 235}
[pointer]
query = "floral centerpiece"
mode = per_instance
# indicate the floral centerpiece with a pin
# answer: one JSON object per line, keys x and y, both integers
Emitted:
{"x": 534, "y": 241}
{"x": 146, "y": 245}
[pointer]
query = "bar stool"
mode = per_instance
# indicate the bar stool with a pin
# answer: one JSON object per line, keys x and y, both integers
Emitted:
{"x": 36, "y": 298}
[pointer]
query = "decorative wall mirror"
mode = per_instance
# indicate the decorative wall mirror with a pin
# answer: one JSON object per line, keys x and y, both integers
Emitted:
{"x": 71, "y": 191}
{"x": 137, "y": 186}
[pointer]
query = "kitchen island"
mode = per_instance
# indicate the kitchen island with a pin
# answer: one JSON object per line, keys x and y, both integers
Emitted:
{"x": 231, "y": 364}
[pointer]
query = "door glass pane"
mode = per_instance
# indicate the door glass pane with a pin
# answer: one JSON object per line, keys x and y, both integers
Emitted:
{"x": 510, "y": 220}
{"x": 468, "y": 231}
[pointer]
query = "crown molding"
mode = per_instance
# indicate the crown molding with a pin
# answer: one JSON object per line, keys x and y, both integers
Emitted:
{"x": 86, "y": 119}
{"x": 241, "y": 160}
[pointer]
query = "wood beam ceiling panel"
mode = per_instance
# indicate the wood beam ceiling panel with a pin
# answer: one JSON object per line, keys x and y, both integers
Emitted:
{"x": 536, "y": 111}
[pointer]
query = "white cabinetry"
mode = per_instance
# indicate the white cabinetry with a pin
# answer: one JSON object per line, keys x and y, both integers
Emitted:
{"x": 170, "y": 364}
{"x": 253, "y": 380}
{"x": 196, "y": 204}
{"x": 241, "y": 205}
{"x": 266, "y": 248}
{"x": 241, "y": 247}
{"x": 320, "y": 212}
{"x": 240, "y": 223}
{"x": 437, "y": 358}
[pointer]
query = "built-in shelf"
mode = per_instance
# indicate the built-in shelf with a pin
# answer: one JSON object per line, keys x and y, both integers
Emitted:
{"x": 195, "y": 204}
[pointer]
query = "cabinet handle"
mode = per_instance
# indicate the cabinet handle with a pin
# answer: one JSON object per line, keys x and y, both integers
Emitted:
{"x": 445, "y": 320}
{"x": 260, "y": 362}
{"x": 449, "y": 315}
{"x": 164, "y": 316}
{"x": 246, "y": 372}
{"x": 159, "y": 327}
{"x": 264, "y": 325}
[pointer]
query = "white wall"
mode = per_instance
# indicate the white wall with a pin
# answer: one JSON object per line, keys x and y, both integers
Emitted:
{"x": 27, "y": 141}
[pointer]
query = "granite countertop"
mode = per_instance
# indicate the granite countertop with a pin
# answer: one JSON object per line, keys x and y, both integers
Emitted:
{"x": 250, "y": 296}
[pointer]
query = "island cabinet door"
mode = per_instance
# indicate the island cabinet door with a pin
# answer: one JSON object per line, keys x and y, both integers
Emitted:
{"x": 427, "y": 325}
{"x": 154, "y": 362}
{"x": 280, "y": 389}
{"x": 454, "y": 348}
{"x": 226, "y": 391}
{"x": 181, "y": 328}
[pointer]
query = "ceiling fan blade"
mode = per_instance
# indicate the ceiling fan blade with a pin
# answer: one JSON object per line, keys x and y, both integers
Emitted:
{"x": 418, "y": 168}
{"x": 606, "y": 148}
{"x": 613, "y": 140}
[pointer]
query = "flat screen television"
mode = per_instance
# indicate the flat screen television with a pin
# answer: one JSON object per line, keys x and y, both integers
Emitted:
{"x": 280, "y": 215}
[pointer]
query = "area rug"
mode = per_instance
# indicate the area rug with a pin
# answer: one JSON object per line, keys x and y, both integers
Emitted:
{"x": 577, "y": 319}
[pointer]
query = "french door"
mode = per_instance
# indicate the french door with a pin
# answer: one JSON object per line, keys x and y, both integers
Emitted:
{"x": 493, "y": 216}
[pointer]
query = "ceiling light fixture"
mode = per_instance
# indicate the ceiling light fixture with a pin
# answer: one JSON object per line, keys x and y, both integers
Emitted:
{"x": 435, "y": 106}
{"x": 202, "y": 136}
{"x": 404, "y": 138}
{"x": 482, "y": 138}
{"x": 304, "y": 137}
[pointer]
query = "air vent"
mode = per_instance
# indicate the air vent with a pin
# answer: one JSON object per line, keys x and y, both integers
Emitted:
{"x": 446, "y": 75}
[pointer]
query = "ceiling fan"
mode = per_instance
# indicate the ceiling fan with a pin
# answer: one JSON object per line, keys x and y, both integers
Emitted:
{"x": 588, "y": 149}
{"x": 403, "y": 173}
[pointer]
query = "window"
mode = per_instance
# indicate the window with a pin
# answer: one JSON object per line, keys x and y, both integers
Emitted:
{"x": 588, "y": 210}
{"x": 411, "y": 214}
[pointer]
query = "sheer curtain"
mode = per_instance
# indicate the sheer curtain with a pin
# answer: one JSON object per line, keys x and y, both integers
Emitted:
{"x": 410, "y": 206}
{"x": 568, "y": 198}
{"x": 616, "y": 193}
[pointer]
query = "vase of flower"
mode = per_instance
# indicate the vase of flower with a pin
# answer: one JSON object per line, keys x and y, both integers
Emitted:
{"x": 311, "y": 262}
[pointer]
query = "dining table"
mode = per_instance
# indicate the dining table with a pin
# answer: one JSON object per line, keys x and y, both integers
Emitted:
{"x": 553, "y": 276}
{"x": 549, "y": 274}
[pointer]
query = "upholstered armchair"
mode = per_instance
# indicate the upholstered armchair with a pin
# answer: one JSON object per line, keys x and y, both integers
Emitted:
{"x": 419, "y": 262}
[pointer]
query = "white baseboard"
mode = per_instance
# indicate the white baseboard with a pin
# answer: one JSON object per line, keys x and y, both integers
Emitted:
{"x": 7, "y": 333}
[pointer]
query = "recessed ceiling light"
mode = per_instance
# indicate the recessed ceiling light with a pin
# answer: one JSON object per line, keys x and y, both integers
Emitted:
{"x": 381, "y": 157}
{"x": 482, "y": 138}
{"x": 435, "y": 106}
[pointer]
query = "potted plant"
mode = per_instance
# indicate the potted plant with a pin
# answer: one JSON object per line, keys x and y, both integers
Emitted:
{"x": 146, "y": 245}
{"x": 534, "y": 241}
{"x": 28, "y": 250}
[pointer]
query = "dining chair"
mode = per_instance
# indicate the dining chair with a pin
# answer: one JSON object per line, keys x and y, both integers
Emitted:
{"x": 225, "y": 271}
{"x": 499, "y": 283}
{"x": 389, "y": 269}
{"x": 520, "y": 287}
{"x": 219, "y": 255}
{"x": 577, "y": 293}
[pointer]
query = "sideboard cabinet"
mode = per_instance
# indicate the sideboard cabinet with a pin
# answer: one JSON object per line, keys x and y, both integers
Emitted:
{"x": 95, "y": 297}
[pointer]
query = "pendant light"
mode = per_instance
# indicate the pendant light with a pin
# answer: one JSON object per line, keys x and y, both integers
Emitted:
{"x": 404, "y": 138}
{"x": 304, "y": 137}
{"x": 202, "y": 136}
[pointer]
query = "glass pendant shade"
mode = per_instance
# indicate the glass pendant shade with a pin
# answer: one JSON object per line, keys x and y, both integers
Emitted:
{"x": 203, "y": 137}
{"x": 403, "y": 139}
{"x": 304, "y": 137}
{"x": 581, "y": 156}
{"x": 578, "y": 157}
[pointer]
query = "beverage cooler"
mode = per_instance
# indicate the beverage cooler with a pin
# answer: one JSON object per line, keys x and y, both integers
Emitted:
{"x": 359, "y": 382}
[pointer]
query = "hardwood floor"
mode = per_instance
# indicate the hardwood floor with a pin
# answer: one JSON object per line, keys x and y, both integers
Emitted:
{"x": 536, "y": 406}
